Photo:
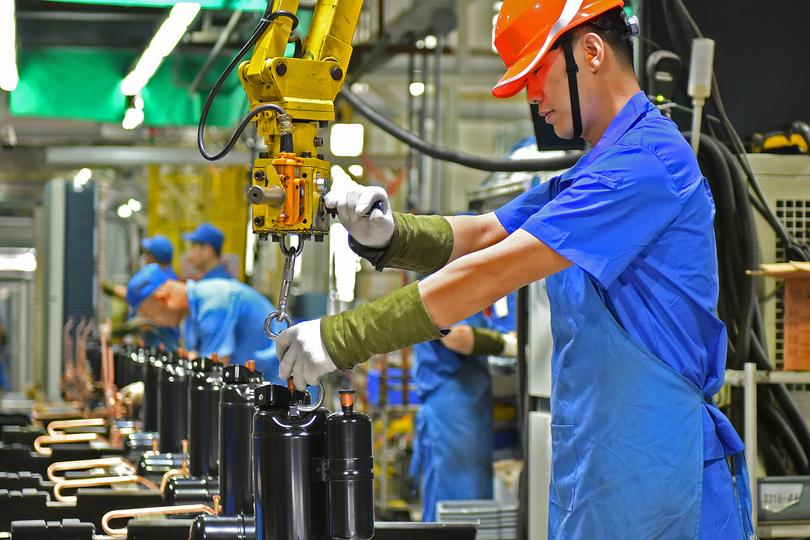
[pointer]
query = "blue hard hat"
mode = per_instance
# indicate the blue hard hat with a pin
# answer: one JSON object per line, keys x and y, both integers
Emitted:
{"x": 206, "y": 233}
{"x": 160, "y": 247}
{"x": 144, "y": 283}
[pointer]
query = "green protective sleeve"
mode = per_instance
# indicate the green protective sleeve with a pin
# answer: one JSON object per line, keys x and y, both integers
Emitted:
{"x": 487, "y": 342}
{"x": 396, "y": 320}
{"x": 419, "y": 243}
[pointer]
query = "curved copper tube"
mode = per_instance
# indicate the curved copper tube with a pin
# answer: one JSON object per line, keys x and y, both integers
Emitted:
{"x": 94, "y": 482}
{"x": 57, "y": 427}
{"x": 62, "y": 439}
{"x": 182, "y": 471}
{"x": 84, "y": 464}
{"x": 155, "y": 510}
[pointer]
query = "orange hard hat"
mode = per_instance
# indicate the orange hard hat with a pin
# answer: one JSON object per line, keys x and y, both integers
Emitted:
{"x": 526, "y": 30}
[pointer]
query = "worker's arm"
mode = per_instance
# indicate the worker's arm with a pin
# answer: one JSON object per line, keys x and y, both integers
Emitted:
{"x": 474, "y": 233}
{"x": 471, "y": 283}
{"x": 416, "y": 312}
{"x": 114, "y": 289}
{"x": 474, "y": 341}
{"x": 397, "y": 240}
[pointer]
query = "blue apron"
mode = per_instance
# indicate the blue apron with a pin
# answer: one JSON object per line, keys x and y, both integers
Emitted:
{"x": 627, "y": 430}
{"x": 454, "y": 444}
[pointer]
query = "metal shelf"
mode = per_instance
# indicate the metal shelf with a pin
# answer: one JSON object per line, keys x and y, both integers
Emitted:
{"x": 748, "y": 379}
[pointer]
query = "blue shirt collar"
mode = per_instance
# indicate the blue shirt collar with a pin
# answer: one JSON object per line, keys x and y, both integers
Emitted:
{"x": 635, "y": 108}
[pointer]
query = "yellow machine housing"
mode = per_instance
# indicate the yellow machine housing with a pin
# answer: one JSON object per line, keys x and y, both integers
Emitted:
{"x": 288, "y": 187}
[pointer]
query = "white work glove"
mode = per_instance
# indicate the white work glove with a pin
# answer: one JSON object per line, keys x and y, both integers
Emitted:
{"x": 355, "y": 204}
{"x": 303, "y": 354}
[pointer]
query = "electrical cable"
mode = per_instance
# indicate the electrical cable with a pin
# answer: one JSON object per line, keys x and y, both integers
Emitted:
{"x": 264, "y": 22}
{"x": 456, "y": 156}
{"x": 786, "y": 448}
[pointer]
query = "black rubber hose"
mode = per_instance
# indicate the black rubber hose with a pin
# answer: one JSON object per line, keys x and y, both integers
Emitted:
{"x": 772, "y": 417}
{"x": 456, "y": 156}
{"x": 264, "y": 22}
{"x": 771, "y": 456}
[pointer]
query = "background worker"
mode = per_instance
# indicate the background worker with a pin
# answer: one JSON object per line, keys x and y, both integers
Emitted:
{"x": 158, "y": 249}
{"x": 454, "y": 431}
{"x": 625, "y": 239}
{"x": 205, "y": 252}
{"x": 225, "y": 316}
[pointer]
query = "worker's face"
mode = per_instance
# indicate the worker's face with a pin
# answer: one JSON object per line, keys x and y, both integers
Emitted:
{"x": 548, "y": 89}
{"x": 201, "y": 255}
{"x": 166, "y": 306}
{"x": 149, "y": 258}
{"x": 548, "y": 85}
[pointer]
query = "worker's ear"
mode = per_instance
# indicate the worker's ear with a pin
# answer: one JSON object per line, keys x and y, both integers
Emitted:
{"x": 594, "y": 47}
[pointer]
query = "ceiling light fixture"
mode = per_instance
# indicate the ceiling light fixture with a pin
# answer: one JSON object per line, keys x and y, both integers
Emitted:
{"x": 164, "y": 41}
{"x": 8, "y": 47}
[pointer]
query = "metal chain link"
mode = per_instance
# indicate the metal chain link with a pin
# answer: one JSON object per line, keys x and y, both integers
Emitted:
{"x": 281, "y": 314}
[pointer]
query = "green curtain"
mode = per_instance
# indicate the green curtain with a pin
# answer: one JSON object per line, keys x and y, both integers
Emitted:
{"x": 246, "y": 5}
{"x": 84, "y": 84}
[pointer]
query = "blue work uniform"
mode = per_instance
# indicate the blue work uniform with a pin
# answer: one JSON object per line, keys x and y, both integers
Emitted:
{"x": 638, "y": 448}
{"x": 166, "y": 337}
{"x": 217, "y": 272}
{"x": 454, "y": 443}
{"x": 227, "y": 317}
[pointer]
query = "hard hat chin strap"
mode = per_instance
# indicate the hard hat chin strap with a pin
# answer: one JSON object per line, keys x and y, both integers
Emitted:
{"x": 572, "y": 69}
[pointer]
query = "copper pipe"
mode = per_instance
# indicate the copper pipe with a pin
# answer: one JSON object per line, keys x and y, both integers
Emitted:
{"x": 57, "y": 427}
{"x": 77, "y": 483}
{"x": 156, "y": 510}
{"x": 67, "y": 353}
{"x": 62, "y": 439}
{"x": 182, "y": 471}
{"x": 84, "y": 464}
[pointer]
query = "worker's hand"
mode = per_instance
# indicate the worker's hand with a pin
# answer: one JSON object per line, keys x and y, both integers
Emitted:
{"x": 365, "y": 211}
{"x": 303, "y": 354}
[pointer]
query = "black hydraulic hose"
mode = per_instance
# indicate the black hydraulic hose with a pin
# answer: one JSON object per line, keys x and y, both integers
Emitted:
{"x": 750, "y": 247}
{"x": 772, "y": 417}
{"x": 774, "y": 464}
{"x": 264, "y": 22}
{"x": 456, "y": 156}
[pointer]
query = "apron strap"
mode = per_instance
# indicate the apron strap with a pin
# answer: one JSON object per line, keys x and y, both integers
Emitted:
{"x": 743, "y": 492}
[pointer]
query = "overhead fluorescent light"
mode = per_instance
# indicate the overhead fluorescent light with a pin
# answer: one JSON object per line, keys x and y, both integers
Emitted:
{"x": 416, "y": 89}
{"x": 134, "y": 205}
{"x": 356, "y": 170}
{"x": 8, "y": 47}
{"x": 124, "y": 211}
{"x": 17, "y": 260}
{"x": 82, "y": 177}
{"x": 346, "y": 140}
{"x": 132, "y": 118}
{"x": 162, "y": 44}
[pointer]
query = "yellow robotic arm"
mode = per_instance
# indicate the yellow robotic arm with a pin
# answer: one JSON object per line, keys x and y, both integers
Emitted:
{"x": 291, "y": 99}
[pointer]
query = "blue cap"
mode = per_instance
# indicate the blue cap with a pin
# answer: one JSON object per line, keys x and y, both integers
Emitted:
{"x": 206, "y": 233}
{"x": 160, "y": 247}
{"x": 144, "y": 283}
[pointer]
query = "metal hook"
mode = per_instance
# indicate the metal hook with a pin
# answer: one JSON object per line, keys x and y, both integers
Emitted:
{"x": 280, "y": 316}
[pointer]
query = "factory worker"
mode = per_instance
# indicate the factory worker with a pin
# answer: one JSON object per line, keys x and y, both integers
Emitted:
{"x": 625, "y": 239}
{"x": 205, "y": 252}
{"x": 158, "y": 249}
{"x": 227, "y": 316}
{"x": 454, "y": 436}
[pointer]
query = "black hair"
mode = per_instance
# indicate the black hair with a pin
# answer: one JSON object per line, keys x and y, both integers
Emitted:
{"x": 612, "y": 27}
